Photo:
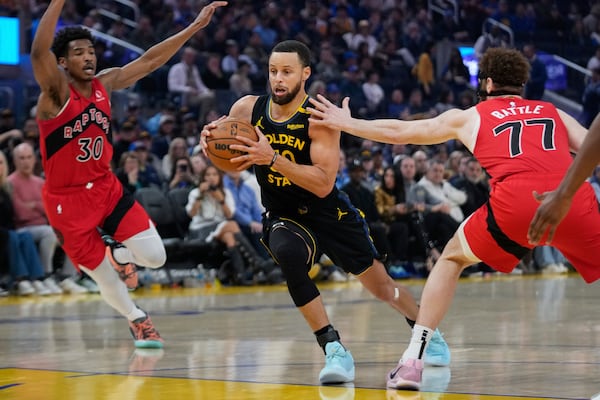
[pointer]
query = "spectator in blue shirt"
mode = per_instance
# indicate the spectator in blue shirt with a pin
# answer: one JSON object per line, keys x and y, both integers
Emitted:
{"x": 248, "y": 211}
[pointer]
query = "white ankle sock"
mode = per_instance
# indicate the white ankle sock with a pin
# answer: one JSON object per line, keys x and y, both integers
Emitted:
{"x": 418, "y": 342}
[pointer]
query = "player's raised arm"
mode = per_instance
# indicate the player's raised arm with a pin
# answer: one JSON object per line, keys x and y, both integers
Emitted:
{"x": 157, "y": 55}
{"x": 50, "y": 78}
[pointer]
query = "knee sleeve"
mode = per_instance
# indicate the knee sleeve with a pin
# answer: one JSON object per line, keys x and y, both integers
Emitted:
{"x": 147, "y": 249}
{"x": 295, "y": 257}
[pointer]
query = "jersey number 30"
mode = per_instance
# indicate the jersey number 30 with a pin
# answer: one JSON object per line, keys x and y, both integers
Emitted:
{"x": 91, "y": 148}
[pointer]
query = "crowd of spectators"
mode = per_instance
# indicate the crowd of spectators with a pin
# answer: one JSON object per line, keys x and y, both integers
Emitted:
{"x": 394, "y": 59}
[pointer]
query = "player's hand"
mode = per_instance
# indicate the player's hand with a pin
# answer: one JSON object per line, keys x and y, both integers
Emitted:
{"x": 548, "y": 215}
{"x": 326, "y": 113}
{"x": 258, "y": 152}
{"x": 205, "y": 133}
{"x": 206, "y": 14}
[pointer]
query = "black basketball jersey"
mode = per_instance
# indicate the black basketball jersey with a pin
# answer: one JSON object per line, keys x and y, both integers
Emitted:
{"x": 290, "y": 139}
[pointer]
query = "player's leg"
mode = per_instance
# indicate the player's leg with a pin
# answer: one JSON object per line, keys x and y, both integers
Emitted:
{"x": 87, "y": 251}
{"x": 142, "y": 243}
{"x": 381, "y": 285}
{"x": 114, "y": 291}
{"x": 136, "y": 241}
{"x": 294, "y": 248}
{"x": 435, "y": 301}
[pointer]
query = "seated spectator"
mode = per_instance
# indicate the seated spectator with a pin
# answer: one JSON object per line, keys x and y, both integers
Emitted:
{"x": 129, "y": 170}
{"x": 184, "y": 80}
{"x": 239, "y": 82}
{"x": 123, "y": 139}
{"x": 431, "y": 217}
{"x": 248, "y": 211}
{"x": 421, "y": 159}
{"x": 474, "y": 183}
{"x": 212, "y": 75}
{"x": 149, "y": 174}
{"x": 30, "y": 215}
{"x": 230, "y": 62}
{"x": 374, "y": 94}
{"x": 25, "y": 267}
{"x": 417, "y": 108}
{"x": 161, "y": 141}
{"x": 181, "y": 175}
{"x": 211, "y": 206}
{"x": 177, "y": 148}
{"x": 441, "y": 190}
{"x": 393, "y": 212}
{"x": 397, "y": 104}
{"x": 362, "y": 197}
{"x": 248, "y": 215}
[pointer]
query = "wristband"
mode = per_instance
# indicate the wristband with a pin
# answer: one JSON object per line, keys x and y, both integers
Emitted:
{"x": 273, "y": 159}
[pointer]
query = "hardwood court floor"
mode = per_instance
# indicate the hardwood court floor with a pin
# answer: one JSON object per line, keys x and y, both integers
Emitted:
{"x": 511, "y": 338}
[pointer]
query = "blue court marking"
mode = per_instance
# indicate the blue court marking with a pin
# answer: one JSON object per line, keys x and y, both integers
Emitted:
{"x": 10, "y": 385}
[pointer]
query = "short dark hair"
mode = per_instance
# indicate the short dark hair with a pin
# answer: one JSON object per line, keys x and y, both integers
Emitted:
{"x": 294, "y": 46}
{"x": 60, "y": 46}
{"x": 506, "y": 67}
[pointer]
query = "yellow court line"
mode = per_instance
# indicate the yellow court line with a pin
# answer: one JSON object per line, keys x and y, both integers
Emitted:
{"x": 27, "y": 384}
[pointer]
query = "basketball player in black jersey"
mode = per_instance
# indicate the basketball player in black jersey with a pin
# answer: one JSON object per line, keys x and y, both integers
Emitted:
{"x": 296, "y": 166}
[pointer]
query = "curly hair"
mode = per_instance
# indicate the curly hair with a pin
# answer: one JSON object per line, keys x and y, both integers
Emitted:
{"x": 508, "y": 68}
{"x": 60, "y": 46}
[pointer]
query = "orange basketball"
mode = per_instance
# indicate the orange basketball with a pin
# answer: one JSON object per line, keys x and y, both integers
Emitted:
{"x": 224, "y": 135}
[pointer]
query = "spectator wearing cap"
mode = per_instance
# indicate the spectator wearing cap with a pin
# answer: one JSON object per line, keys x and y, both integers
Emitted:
{"x": 148, "y": 174}
{"x": 134, "y": 114}
{"x": 184, "y": 80}
{"x": 230, "y": 62}
{"x": 123, "y": 139}
{"x": 363, "y": 35}
{"x": 351, "y": 86}
{"x": 189, "y": 129}
{"x": 166, "y": 133}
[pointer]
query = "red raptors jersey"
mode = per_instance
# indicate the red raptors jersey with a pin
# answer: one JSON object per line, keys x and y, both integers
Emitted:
{"x": 518, "y": 135}
{"x": 75, "y": 146}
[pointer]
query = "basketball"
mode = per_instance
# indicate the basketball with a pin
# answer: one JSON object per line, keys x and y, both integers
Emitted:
{"x": 224, "y": 135}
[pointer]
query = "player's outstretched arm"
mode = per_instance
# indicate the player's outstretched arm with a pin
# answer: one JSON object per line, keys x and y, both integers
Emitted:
{"x": 45, "y": 68}
{"x": 427, "y": 131}
{"x": 555, "y": 205}
{"x": 157, "y": 55}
